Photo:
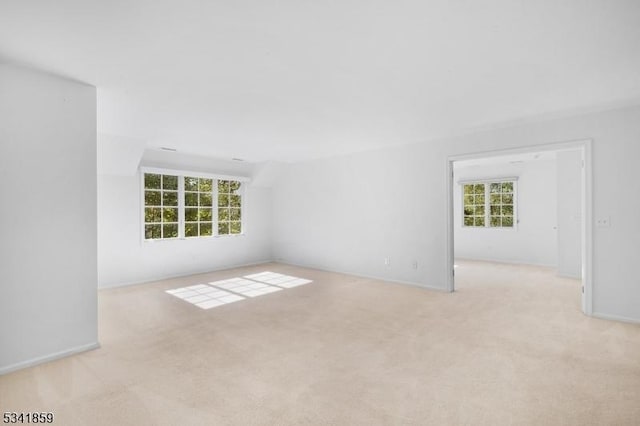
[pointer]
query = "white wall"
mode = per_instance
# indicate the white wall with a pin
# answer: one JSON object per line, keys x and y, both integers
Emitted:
{"x": 569, "y": 213}
{"x": 534, "y": 239}
{"x": 350, "y": 212}
{"x": 48, "y": 272}
{"x": 123, "y": 258}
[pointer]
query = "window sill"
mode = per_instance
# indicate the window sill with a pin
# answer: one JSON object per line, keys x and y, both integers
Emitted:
{"x": 211, "y": 237}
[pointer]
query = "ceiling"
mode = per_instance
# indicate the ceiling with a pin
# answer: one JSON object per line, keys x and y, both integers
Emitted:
{"x": 292, "y": 80}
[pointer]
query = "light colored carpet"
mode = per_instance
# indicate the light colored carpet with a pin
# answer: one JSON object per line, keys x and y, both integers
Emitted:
{"x": 509, "y": 347}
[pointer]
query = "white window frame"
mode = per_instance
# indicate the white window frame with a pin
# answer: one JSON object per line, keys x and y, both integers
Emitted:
{"x": 487, "y": 202}
{"x": 181, "y": 212}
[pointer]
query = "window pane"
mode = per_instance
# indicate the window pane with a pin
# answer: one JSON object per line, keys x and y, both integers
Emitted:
{"x": 495, "y": 221}
{"x": 495, "y": 210}
{"x": 479, "y": 211}
{"x": 235, "y": 201}
{"x": 205, "y": 199}
{"x": 479, "y": 221}
{"x": 170, "y": 231}
{"x": 234, "y": 186}
{"x": 152, "y": 232}
{"x": 206, "y": 185}
{"x": 479, "y": 188}
{"x": 205, "y": 214}
{"x": 507, "y": 210}
{"x": 152, "y": 214}
{"x": 507, "y": 221}
{"x": 236, "y": 227}
{"x": 169, "y": 198}
{"x": 468, "y": 221}
{"x": 191, "y": 229}
{"x": 170, "y": 215}
{"x": 235, "y": 214}
{"x": 191, "y": 199}
{"x": 223, "y": 214}
{"x": 223, "y": 228}
{"x": 468, "y": 189}
{"x": 170, "y": 182}
{"x": 507, "y": 186}
{"x": 223, "y": 200}
{"x": 223, "y": 186}
{"x": 468, "y": 210}
{"x": 479, "y": 199}
{"x": 206, "y": 229}
{"x": 151, "y": 181}
{"x": 152, "y": 198}
{"x": 190, "y": 183}
{"x": 468, "y": 199}
{"x": 191, "y": 215}
{"x": 495, "y": 198}
{"x": 507, "y": 198}
{"x": 495, "y": 187}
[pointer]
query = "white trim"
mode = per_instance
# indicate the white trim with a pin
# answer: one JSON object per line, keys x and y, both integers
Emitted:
{"x": 46, "y": 358}
{"x": 174, "y": 172}
{"x": 564, "y": 275}
{"x": 585, "y": 145}
{"x": 507, "y": 262}
{"x": 182, "y": 275}
{"x": 587, "y": 227}
{"x": 553, "y": 146}
{"x": 615, "y": 318}
{"x": 355, "y": 274}
{"x": 486, "y": 180}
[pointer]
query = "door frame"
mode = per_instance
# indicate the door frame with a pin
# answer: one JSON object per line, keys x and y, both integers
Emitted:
{"x": 585, "y": 147}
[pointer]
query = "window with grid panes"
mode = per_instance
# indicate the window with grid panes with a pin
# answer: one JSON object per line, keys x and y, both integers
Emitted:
{"x": 474, "y": 205}
{"x": 489, "y": 204}
{"x": 229, "y": 207}
{"x": 501, "y": 204}
{"x": 198, "y": 207}
{"x": 161, "y": 218}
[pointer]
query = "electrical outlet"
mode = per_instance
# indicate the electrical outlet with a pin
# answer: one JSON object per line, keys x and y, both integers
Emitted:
{"x": 387, "y": 261}
{"x": 603, "y": 222}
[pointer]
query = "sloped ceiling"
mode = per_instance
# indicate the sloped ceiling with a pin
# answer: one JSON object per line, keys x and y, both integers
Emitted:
{"x": 293, "y": 80}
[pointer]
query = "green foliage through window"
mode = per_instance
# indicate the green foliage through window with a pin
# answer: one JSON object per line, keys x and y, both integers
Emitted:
{"x": 161, "y": 206}
{"x": 198, "y": 194}
{"x": 229, "y": 207}
{"x": 488, "y": 204}
{"x": 205, "y": 201}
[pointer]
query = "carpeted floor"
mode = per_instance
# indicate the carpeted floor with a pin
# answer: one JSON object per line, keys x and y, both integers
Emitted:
{"x": 509, "y": 347}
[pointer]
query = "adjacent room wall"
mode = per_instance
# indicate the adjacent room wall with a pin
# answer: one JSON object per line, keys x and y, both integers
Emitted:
{"x": 569, "y": 214}
{"x": 349, "y": 213}
{"x": 124, "y": 258}
{"x": 534, "y": 239}
{"x": 48, "y": 274}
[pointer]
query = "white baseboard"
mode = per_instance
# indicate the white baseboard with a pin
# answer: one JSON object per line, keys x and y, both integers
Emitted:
{"x": 615, "y": 318}
{"x": 357, "y": 274}
{"x": 508, "y": 262}
{"x": 564, "y": 275}
{"x": 46, "y": 358}
{"x": 181, "y": 275}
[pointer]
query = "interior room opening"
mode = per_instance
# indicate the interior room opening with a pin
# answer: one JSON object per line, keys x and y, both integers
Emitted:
{"x": 518, "y": 224}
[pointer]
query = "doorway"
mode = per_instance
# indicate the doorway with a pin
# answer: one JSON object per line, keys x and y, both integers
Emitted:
{"x": 482, "y": 216}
